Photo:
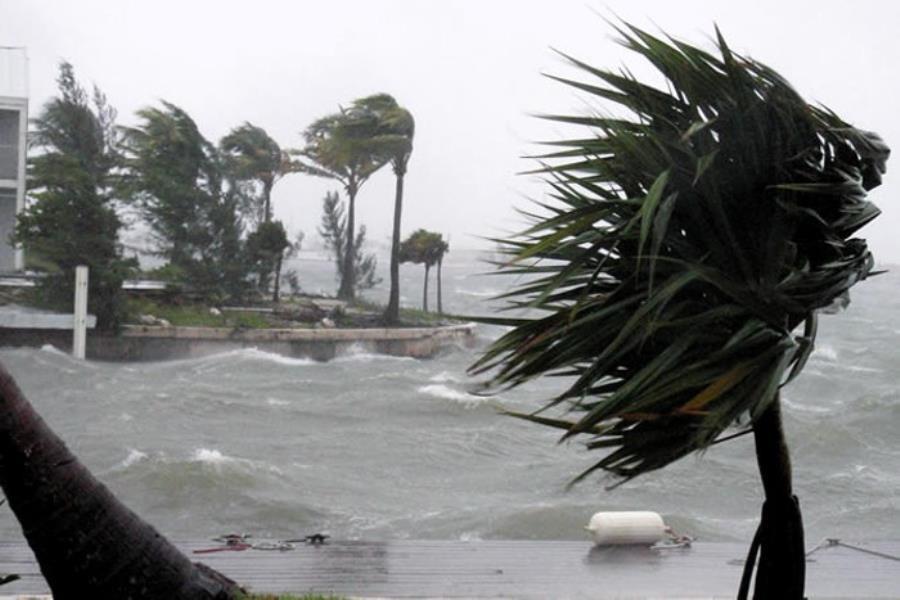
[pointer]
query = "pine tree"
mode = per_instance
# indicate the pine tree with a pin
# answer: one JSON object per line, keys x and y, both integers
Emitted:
{"x": 71, "y": 216}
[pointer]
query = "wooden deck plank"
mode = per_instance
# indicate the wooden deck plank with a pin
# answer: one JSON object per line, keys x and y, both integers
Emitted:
{"x": 516, "y": 569}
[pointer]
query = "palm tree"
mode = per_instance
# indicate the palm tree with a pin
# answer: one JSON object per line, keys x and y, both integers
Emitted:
{"x": 684, "y": 246}
{"x": 87, "y": 543}
{"x": 392, "y": 138}
{"x": 254, "y": 156}
{"x": 425, "y": 248}
{"x": 338, "y": 147}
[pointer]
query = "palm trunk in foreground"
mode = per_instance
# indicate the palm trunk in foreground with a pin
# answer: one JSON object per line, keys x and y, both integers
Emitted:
{"x": 781, "y": 571}
{"x": 392, "y": 312}
{"x": 87, "y": 543}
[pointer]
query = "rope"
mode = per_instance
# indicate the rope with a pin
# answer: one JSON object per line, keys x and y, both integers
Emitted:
{"x": 676, "y": 540}
{"x": 831, "y": 542}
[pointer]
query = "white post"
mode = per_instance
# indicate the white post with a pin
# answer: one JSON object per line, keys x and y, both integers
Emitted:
{"x": 79, "y": 334}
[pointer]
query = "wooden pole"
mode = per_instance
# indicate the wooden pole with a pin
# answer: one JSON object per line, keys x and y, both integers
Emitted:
{"x": 79, "y": 330}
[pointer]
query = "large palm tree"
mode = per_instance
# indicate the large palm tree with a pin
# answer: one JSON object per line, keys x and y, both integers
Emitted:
{"x": 393, "y": 139}
{"x": 678, "y": 268}
{"x": 338, "y": 146}
{"x": 87, "y": 543}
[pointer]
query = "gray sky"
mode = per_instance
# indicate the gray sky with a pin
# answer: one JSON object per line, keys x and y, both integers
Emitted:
{"x": 468, "y": 70}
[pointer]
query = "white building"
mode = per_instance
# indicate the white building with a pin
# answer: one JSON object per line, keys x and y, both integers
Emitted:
{"x": 13, "y": 130}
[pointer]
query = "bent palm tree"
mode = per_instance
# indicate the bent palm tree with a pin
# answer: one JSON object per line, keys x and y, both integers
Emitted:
{"x": 252, "y": 155}
{"x": 683, "y": 248}
{"x": 393, "y": 139}
{"x": 337, "y": 147}
{"x": 426, "y": 248}
{"x": 87, "y": 543}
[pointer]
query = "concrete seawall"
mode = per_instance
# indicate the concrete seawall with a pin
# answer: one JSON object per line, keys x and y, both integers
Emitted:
{"x": 146, "y": 343}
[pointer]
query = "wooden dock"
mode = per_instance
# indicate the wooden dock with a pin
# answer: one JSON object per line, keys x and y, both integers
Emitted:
{"x": 511, "y": 569}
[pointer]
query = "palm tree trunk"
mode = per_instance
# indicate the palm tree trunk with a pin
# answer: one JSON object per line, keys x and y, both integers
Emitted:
{"x": 277, "y": 285}
{"x": 392, "y": 313}
{"x": 87, "y": 543}
{"x": 346, "y": 291}
{"x": 781, "y": 571}
{"x": 440, "y": 306}
{"x": 267, "y": 199}
{"x": 425, "y": 289}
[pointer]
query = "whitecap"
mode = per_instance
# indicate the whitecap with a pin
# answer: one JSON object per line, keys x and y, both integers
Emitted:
{"x": 257, "y": 354}
{"x": 360, "y": 353}
{"x": 134, "y": 456}
{"x": 215, "y": 458}
{"x": 825, "y": 352}
{"x": 444, "y": 392}
{"x": 443, "y": 377}
{"x": 211, "y": 456}
{"x": 276, "y": 402}
{"x": 254, "y": 354}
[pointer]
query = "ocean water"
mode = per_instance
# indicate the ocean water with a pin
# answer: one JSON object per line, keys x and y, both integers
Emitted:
{"x": 374, "y": 447}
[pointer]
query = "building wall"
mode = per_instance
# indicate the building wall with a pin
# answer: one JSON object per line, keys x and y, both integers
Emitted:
{"x": 13, "y": 126}
{"x": 9, "y": 144}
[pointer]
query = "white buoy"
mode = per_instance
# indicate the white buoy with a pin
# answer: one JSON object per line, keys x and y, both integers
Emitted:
{"x": 627, "y": 527}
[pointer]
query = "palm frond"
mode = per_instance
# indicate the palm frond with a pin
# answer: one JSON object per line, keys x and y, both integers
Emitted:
{"x": 680, "y": 250}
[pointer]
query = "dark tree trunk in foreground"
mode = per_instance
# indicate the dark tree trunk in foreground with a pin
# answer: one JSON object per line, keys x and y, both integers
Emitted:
{"x": 781, "y": 570}
{"x": 87, "y": 543}
{"x": 392, "y": 313}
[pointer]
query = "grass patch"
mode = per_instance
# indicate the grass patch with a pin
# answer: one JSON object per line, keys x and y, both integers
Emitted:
{"x": 193, "y": 315}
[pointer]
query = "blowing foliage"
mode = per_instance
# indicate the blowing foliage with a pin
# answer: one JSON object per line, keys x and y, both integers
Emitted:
{"x": 677, "y": 267}
{"x": 71, "y": 216}
{"x": 178, "y": 181}
{"x": 334, "y": 230}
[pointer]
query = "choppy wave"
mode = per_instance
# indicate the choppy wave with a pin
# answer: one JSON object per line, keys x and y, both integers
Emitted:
{"x": 444, "y": 377}
{"x": 361, "y": 353}
{"x": 134, "y": 457}
{"x": 443, "y": 392}
{"x": 372, "y": 446}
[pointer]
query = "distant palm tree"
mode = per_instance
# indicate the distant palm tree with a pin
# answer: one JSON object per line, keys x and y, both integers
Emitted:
{"x": 392, "y": 138}
{"x": 688, "y": 238}
{"x": 425, "y": 248}
{"x": 252, "y": 155}
{"x": 338, "y": 146}
{"x": 87, "y": 543}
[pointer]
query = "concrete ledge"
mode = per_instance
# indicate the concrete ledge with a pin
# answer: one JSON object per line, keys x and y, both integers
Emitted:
{"x": 154, "y": 343}
{"x": 283, "y": 335}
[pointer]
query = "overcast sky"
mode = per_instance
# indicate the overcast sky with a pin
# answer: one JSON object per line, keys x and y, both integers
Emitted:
{"x": 470, "y": 72}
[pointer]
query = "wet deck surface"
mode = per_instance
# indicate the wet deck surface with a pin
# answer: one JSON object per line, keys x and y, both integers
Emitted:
{"x": 511, "y": 569}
